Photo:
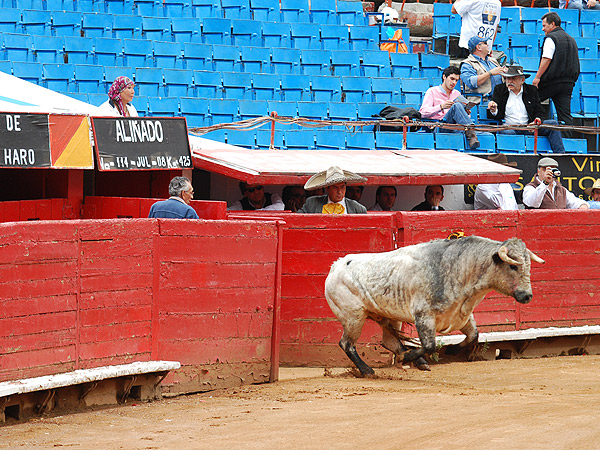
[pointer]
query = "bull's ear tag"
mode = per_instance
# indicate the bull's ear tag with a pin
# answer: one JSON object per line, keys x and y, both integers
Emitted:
{"x": 456, "y": 235}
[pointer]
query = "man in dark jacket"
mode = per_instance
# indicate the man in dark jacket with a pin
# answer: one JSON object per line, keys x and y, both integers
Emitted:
{"x": 518, "y": 103}
{"x": 559, "y": 67}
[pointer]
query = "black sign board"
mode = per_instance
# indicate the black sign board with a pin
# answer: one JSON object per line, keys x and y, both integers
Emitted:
{"x": 24, "y": 140}
{"x": 577, "y": 173}
{"x": 141, "y": 143}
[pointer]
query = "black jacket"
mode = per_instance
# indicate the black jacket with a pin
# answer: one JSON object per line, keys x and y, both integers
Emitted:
{"x": 531, "y": 99}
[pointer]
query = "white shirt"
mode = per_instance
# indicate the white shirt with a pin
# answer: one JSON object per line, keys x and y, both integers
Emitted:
{"x": 515, "y": 113}
{"x": 479, "y": 18}
{"x": 548, "y": 49}
{"x": 108, "y": 110}
{"x": 342, "y": 202}
{"x": 495, "y": 196}
{"x": 533, "y": 196}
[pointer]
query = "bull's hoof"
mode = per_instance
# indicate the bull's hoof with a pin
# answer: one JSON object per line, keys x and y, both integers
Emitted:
{"x": 422, "y": 365}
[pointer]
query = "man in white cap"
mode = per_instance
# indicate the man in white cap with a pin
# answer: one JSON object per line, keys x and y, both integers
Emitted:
{"x": 334, "y": 181}
{"x": 480, "y": 73}
{"x": 546, "y": 192}
{"x": 594, "y": 194}
{"x": 496, "y": 195}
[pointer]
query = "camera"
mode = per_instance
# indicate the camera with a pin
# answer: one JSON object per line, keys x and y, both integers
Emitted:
{"x": 556, "y": 173}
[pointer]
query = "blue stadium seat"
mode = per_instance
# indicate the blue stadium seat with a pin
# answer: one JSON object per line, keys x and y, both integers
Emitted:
{"x": 510, "y": 143}
{"x": 334, "y": 139}
{"x": 82, "y": 97}
{"x": 10, "y": 20}
{"x": 386, "y": 90}
{"x": 335, "y": 37}
{"x": 315, "y": 62}
{"x": 242, "y": 138}
{"x": 575, "y": 145}
{"x": 89, "y": 78}
{"x": 156, "y": 28}
{"x": 22, "y": 4}
{"x": 66, "y": 23}
{"x": 28, "y": 71}
{"x": 216, "y": 30}
{"x": 80, "y": 50}
{"x": 49, "y": 49}
{"x": 18, "y": 47}
{"x": 487, "y": 143}
{"x": 588, "y": 47}
{"x": 364, "y": 37}
{"x": 246, "y": 33}
{"x": 112, "y": 72}
{"x": 313, "y": 110}
{"x": 177, "y": 8}
{"x": 195, "y": 111}
{"x": 530, "y": 64}
{"x": 295, "y": 10}
{"x": 295, "y": 87}
{"x": 569, "y": 21}
{"x": 186, "y": 29}
{"x": 223, "y": 110}
{"x": 589, "y": 23}
{"x": 216, "y": 135}
{"x": 256, "y": 59}
{"x": 226, "y": 58}
{"x": 197, "y": 56}
{"x": 302, "y": 139}
{"x": 350, "y": 13}
{"x": 263, "y": 138}
{"x": 97, "y": 25}
{"x": 208, "y": 84}
{"x": 266, "y": 86}
{"x": 524, "y": 45}
{"x": 543, "y": 145}
{"x": 432, "y": 66}
{"x": 343, "y": 111}
{"x": 251, "y": 109}
{"x": 388, "y": 140}
{"x": 510, "y": 20}
{"x": 179, "y": 82}
{"x": 149, "y": 81}
{"x": 236, "y": 9}
{"x": 36, "y": 22}
{"x": 367, "y": 111}
{"x": 306, "y": 36}
{"x": 97, "y": 99}
{"x": 163, "y": 106}
{"x": 167, "y": 54}
{"x": 237, "y": 85}
{"x": 405, "y": 65}
{"x": 531, "y": 20}
{"x": 206, "y": 8}
{"x": 150, "y": 8}
{"x": 137, "y": 53}
{"x": 6, "y": 67}
{"x": 588, "y": 70}
{"x": 59, "y": 77}
{"x": 360, "y": 140}
{"x": 375, "y": 63}
{"x": 324, "y": 12}
{"x": 413, "y": 90}
{"x": 356, "y": 89}
{"x": 276, "y": 34}
{"x": 285, "y": 60}
{"x": 502, "y": 44}
{"x": 118, "y": 6}
{"x": 266, "y": 10}
{"x": 108, "y": 51}
{"x": 283, "y": 109}
{"x": 127, "y": 26}
{"x": 65, "y": 5}
{"x": 420, "y": 140}
{"x": 346, "y": 63}
{"x": 449, "y": 141}
{"x": 326, "y": 88}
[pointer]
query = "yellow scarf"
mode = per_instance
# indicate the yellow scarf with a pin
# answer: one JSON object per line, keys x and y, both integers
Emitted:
{"x": 333, "y": 208}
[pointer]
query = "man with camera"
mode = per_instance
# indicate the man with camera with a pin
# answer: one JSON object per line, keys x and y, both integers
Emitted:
{"x": 546, "y": 192}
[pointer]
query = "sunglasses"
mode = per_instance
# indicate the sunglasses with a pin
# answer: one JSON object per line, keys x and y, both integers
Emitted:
{"x": 252, "y": 189}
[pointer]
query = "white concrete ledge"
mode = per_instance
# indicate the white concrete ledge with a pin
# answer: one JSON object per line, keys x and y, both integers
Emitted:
{"x": 84, "y": 376}
{"x": 532, "y": 333}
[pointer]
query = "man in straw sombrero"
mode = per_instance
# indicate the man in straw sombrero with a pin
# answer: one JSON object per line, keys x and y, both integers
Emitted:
{"x": 496, "y": 195}
{"x": 594, "y": 194}
{"x": 334, "y": 181}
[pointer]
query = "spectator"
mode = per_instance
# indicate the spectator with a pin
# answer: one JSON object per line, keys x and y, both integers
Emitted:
{"x": 480, "y": 72}
{"x": 594, "y": 194}
{"x": 559, "y": 68}
{"x": 479, "y": 18}
{"x": 385, "y": 197}
{"x": 334, "y": 181}
{"x": 579, "y": 4}
{"x": 119, "y": 100}
{"x": 434, "y": 194}
{"x": 440, "y": 103}
{"x": 354, "y": 192}
{"x": 177, "y": 206}
{"x": 518, "y": 103}
{"x": 293, "y": 197}
{"x": 546, "y": 192}
{"x": 256, "y": 198}
{"x": 497, "y": 195}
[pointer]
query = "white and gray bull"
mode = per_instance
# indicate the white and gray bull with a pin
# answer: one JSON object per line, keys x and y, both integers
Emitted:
{"x": 435, "y": 285}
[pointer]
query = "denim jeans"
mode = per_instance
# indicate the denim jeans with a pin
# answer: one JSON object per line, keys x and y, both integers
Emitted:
{"x": 457, "y": 114}
{"x": 554, "y": 136}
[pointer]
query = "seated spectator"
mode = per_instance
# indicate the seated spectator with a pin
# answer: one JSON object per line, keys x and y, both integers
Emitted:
{"x": 177, "y": 206}
{"x": 119, "y": 100}
{"x": 594, "y": 194}
{"x": 518, "y": 103}
{"x": 440, "y": 103}
{"x": 255, "y": 198}
{"x": 579, "y": 4}
{"x": 334, "y": 181}
{"x": 385, "y": 197}
{"x": 480, "y": 72}
{"x": 354, "y": 192}
{"x": 496, "y": 195}
{"x": 293, "y": 197}
{"x": 434, "y": 194}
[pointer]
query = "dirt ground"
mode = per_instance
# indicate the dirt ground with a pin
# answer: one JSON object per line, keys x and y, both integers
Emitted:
{"x": 548, "y": 403}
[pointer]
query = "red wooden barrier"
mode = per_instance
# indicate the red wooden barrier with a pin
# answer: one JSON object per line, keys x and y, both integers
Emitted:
{"x": 46, "y": 209}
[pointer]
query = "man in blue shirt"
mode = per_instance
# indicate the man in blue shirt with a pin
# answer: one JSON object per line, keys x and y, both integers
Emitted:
{"x": 480, "y": 72}
{"x": 178, "y": 205}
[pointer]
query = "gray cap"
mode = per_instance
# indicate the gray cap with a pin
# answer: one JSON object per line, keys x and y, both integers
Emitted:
{"x": 547, "y": 162}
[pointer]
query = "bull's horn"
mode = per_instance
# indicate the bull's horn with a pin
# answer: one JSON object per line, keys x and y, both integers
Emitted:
{"x": 535, "y": 257}
{"x": 503, "y": 254}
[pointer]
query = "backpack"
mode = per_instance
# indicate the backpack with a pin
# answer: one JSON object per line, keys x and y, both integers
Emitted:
{"x": 393, "y": 112}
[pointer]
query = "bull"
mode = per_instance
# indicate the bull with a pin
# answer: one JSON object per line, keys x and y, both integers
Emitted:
{"x": 435, "y": 285}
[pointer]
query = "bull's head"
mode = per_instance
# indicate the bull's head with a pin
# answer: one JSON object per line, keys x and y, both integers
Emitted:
{"x": 516, "y": 269}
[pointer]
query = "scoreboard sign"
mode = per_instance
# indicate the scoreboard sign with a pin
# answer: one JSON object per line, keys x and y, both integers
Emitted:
{"x": 24, "y": 140}
{"x": 141, "y": 143}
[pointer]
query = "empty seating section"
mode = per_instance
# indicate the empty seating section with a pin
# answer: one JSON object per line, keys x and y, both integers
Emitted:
{"x": 217, "y": 61}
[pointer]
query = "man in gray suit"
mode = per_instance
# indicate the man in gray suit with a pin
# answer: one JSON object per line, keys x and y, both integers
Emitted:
{"x": 334, "y": 181}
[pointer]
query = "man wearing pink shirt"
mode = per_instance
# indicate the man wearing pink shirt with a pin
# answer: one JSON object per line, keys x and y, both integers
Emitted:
{"x": 440, "y": 104}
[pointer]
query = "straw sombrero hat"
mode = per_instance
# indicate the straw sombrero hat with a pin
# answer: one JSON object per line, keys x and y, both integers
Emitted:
{"x": 333, "y": 175}
{"x": 596, "y": 185}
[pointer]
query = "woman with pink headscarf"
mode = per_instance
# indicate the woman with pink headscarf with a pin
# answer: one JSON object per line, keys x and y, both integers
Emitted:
{"x": 120, "y": 95}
